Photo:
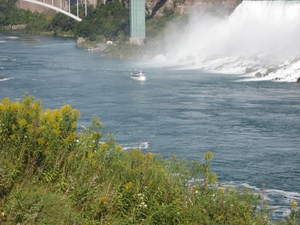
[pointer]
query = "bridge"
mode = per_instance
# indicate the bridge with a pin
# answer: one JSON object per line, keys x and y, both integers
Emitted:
{"x": 57, "y": 8}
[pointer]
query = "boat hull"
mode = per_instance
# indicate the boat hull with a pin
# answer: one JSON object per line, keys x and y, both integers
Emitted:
{"x": 141, "y": 78}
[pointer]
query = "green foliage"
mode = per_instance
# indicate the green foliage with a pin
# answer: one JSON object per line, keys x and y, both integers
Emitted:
{"x": 110, "y": 20}
{"x": 62, "y": 23}
{"x": 37, "y": 22}
{"x": 10, "y": 14}
{"x": 7, "y": 7}
{"x": 52, "y": 172}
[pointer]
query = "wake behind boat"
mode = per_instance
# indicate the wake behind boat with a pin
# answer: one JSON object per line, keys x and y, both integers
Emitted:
{"x": 138, "y": 76}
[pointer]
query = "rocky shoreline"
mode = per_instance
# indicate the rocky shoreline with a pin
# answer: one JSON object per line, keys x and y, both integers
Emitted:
{"x": 120, "y": 50}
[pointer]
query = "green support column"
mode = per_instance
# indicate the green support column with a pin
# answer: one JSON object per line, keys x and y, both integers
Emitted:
{"x": 137, "y": 21}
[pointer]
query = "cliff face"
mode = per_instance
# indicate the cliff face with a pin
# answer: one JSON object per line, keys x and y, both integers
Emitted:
{"x": 221, "y": 7}
{"x": 153, "y": 7}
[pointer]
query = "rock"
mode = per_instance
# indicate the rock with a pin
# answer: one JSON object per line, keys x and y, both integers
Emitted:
{"x": 258, "y": 75}
{"x": 298, "y": 80}
{"x": 270, "y": 70}
{"x": 249, "y": 70}
{"x": 80, "y": 40}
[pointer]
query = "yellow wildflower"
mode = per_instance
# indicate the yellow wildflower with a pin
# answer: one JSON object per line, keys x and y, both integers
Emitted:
{"x": 42, "y": 128}
{"x": 22, "y": 122}
{"x": 119, "y": 148}
{"x": 128, "y": 185}
{"x": 41, "y": 141}
{"x": 103, "y": 199}
{"x": 196, "y": 187}
{"x": 6, "y": 101}
{"x": 13, "y": 126}
{"x": 104, "y": 146}
{"x": 208, "y": 155}
{"x": 13, "y": 137}
{"x": 90, "y": 155}
{"x": 47, "y": 151}
{"x": 219, "y": 218}
{"x": 293, "y": 203}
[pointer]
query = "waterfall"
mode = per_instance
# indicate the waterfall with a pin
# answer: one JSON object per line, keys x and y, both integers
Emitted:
{"x": 261, "y": 33}
{"x": 267, "y": 26}
{"x": 275, "y": 11}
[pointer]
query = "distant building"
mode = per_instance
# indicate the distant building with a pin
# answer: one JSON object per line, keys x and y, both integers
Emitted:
{"x": 137, "y": 21}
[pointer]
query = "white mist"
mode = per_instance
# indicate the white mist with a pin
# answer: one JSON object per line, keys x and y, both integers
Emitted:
{"x": 257, "y": 35}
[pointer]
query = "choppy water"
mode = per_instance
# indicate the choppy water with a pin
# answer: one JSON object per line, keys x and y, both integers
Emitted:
{"x": 251, "y": 127}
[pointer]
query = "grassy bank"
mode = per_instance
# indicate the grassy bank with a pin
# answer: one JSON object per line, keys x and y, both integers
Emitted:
{"x": 52, "y": 172}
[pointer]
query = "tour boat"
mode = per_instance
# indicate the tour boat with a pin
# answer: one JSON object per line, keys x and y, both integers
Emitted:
{"x": 138, "y": 76}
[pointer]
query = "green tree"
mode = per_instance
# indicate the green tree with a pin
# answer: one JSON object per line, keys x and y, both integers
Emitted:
{"x": 107, "y": 20}
{"x": 63, "y": 22}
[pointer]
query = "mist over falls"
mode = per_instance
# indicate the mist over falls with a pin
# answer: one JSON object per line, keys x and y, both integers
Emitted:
{"x": 260, "y": 38}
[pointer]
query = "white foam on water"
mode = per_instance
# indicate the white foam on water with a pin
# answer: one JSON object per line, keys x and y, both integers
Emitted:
{"x": 278, "y": 200}
{"x": 12, "y": 37}
{"x": 6, "y": 58}
{"x": 5, "y": 79}
{"x": 141, "y": 145}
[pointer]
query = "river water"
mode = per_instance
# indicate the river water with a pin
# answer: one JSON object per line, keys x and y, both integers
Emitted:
{"x": 252, "y": 127}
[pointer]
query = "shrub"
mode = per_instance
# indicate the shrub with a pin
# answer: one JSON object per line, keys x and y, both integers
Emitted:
{"x": 53, "y": 172}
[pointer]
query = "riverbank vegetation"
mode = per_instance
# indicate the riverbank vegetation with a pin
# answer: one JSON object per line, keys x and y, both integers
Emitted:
{"x": 52, "y": 171}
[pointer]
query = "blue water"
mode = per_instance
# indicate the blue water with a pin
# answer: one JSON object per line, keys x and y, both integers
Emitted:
{"x": 251, "y": 127}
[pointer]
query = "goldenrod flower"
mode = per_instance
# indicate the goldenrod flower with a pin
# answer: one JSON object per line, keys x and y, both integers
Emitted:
{"x": 208, "y": 155}
{"x": 66, "y": 108}
{"x": 103, "y": 199}
{"x": 22, "y": 122}
{"x": 128, "y": 185}
{"x": 196, "y": 187}
{"x": 90, "y": 155}
{"x": 293, "y": 203}
{"x": 42, "y": 128}
{"x": 13, "y": 137}
{"x": 222, "y": 191}
{"x": 219, "y": 218}
{"x": 13, "y": 126}
{"x": 119, "y": 148}
{"x": 41, "y": 141}
{"x": 104, "y": 146}
{"x": 6, "y": 101}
